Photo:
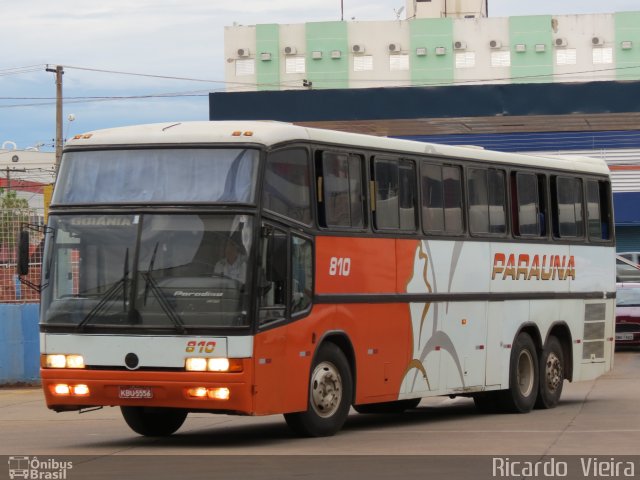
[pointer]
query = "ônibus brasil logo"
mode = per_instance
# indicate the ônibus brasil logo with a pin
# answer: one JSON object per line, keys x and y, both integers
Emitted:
{"x": 38, "y": 469}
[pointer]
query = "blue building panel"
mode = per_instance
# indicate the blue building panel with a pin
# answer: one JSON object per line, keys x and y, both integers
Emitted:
{"x": 625, "y": 207}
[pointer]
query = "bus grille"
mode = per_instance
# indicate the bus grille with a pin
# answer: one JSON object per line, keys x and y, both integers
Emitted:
{"x": 594, "y": 330}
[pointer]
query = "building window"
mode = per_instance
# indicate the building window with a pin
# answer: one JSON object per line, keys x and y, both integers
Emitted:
{"x": 245, "y": 67}
{"x": 398, "y": 62}
{"x": 465, "y": 60}
{"x": 362, "y": 63}
{"x": 501, "y": 59}
{"x": 566, "y": 56}
{"x": 294, "y": 64}
{"x": 602, "y": 55}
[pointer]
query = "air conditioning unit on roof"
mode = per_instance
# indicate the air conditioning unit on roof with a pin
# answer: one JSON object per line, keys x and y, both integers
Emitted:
{"x": 460, "y": 45}
{"x": 597, "y": 41}
{"x": 243, "y": 52}
{"x": 357, "y": 48}
{"x": 495, "y": 44}
{"x": 560, "y": 42}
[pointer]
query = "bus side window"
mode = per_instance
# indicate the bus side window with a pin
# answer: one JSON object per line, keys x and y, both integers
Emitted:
{"x": 301, "y": 274}
{"x": 395, "y": 194}
{"x": 287, "y": 184}
{"x": 487, "y": 201}
{"x": 598, "y": 210}
{"x": 529, "y": 206}
{"x": 272, "y": 275}
{"x": 567, "y": 211}
{"x": 340, "y": 192}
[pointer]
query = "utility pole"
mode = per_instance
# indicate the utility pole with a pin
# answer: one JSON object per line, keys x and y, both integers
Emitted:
{"x": 59, "y": 72}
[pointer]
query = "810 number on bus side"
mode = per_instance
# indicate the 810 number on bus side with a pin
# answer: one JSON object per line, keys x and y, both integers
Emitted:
{"x": 339, "y": 266}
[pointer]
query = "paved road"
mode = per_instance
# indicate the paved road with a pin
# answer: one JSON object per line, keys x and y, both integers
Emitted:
{"x": 597, "y": 418}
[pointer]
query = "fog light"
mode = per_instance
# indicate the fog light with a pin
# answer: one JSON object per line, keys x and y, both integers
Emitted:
{"x": 219, "y": 393}
{"x": 55, "y": 361}
{"x": 199, "y": 392}
{"x": 61, "y": 389}
{"x": 196, "y": 364}
{"x": 218, "y": 365}
{"x": 81, "y": 390}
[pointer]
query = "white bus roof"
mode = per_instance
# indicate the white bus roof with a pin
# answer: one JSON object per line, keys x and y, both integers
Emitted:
{"x": 270, "y": 133}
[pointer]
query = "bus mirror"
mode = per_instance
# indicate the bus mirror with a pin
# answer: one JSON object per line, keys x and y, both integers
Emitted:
{"x": 23, "y": 253}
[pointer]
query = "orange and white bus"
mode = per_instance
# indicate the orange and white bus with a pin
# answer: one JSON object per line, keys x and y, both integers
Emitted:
{"x": 257, "y": 268}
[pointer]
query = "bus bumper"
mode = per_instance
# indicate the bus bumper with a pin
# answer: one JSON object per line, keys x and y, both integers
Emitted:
{"x": 67, "y": 390}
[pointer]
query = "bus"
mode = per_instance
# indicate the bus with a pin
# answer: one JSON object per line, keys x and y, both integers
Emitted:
{"x": 258, "y": 268}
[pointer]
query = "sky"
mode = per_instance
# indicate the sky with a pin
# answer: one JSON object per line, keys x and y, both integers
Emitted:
{"x": 178, "y": 39}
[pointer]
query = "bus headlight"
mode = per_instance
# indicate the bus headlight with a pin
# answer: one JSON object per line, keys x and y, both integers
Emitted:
{"x": 59, "y": 360}
{"x": 218, "y": 365}
{"x": 196, "y": 365}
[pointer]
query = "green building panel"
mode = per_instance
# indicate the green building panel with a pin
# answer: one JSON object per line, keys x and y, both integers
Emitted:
{"x": 431, "y": 34}
{"x": 532, "y": 65}
{"x": 627, "y": 55}
{"x": 327, "y": 37}
{"x": 268, "y": 71}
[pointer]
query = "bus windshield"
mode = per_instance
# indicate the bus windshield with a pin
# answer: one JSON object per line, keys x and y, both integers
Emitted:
{"x": 175, "y": 271}
{"x": 158, "y": 175}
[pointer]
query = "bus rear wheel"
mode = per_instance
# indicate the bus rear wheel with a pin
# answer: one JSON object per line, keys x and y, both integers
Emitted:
{"x": 523, "y": 376}
{"x": 154, "y": 422}
{"x": 551, "y": 374}
{"x": 398, "y": 406}
{"x": 330, "y": 395}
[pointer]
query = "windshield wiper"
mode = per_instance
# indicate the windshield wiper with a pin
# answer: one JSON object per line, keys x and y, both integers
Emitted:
{"x": 111, "y": 293}
{"x": 148, "y": 276}
{"x": 163, "y": 302}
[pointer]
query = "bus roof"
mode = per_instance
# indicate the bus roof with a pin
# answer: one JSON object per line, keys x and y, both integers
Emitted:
{"x": 269, "y": 133}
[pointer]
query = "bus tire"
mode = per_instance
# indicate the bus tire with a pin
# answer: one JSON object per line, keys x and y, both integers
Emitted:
{"x": 330, "y": 395}
{"x": 397, "y": 406}
{"x": 551, "y": 374}
{"x": 523, "y": 376}
{"x": 154, "y": 422}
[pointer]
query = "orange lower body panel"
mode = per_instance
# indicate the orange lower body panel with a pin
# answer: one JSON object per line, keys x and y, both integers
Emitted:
{"x": 168, "y": 389}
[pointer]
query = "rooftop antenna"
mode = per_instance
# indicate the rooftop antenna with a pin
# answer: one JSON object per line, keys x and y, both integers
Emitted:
{"x": 342, "y": 10}
{"x": 398, "y": 12}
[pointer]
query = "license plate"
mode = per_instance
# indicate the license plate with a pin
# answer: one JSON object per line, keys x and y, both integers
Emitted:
{"x": 624, "y": 336}
{"x": 136, "y": 392}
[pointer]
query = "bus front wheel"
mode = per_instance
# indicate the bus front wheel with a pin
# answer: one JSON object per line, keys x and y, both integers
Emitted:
{"x": 153, "y": 422}
{"x": 551, "y": 374}
{"x": 330, "y": 394}
{"x": 523, "y": 376}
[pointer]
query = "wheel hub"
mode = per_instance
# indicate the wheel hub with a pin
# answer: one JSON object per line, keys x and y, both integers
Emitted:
{"x": 326, "y": 389}
{"x": 525, "y": 373}
{"x": 553, "y": 372}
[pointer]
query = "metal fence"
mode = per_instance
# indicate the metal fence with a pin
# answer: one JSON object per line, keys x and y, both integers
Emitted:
{"x": 12, "y": 220}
